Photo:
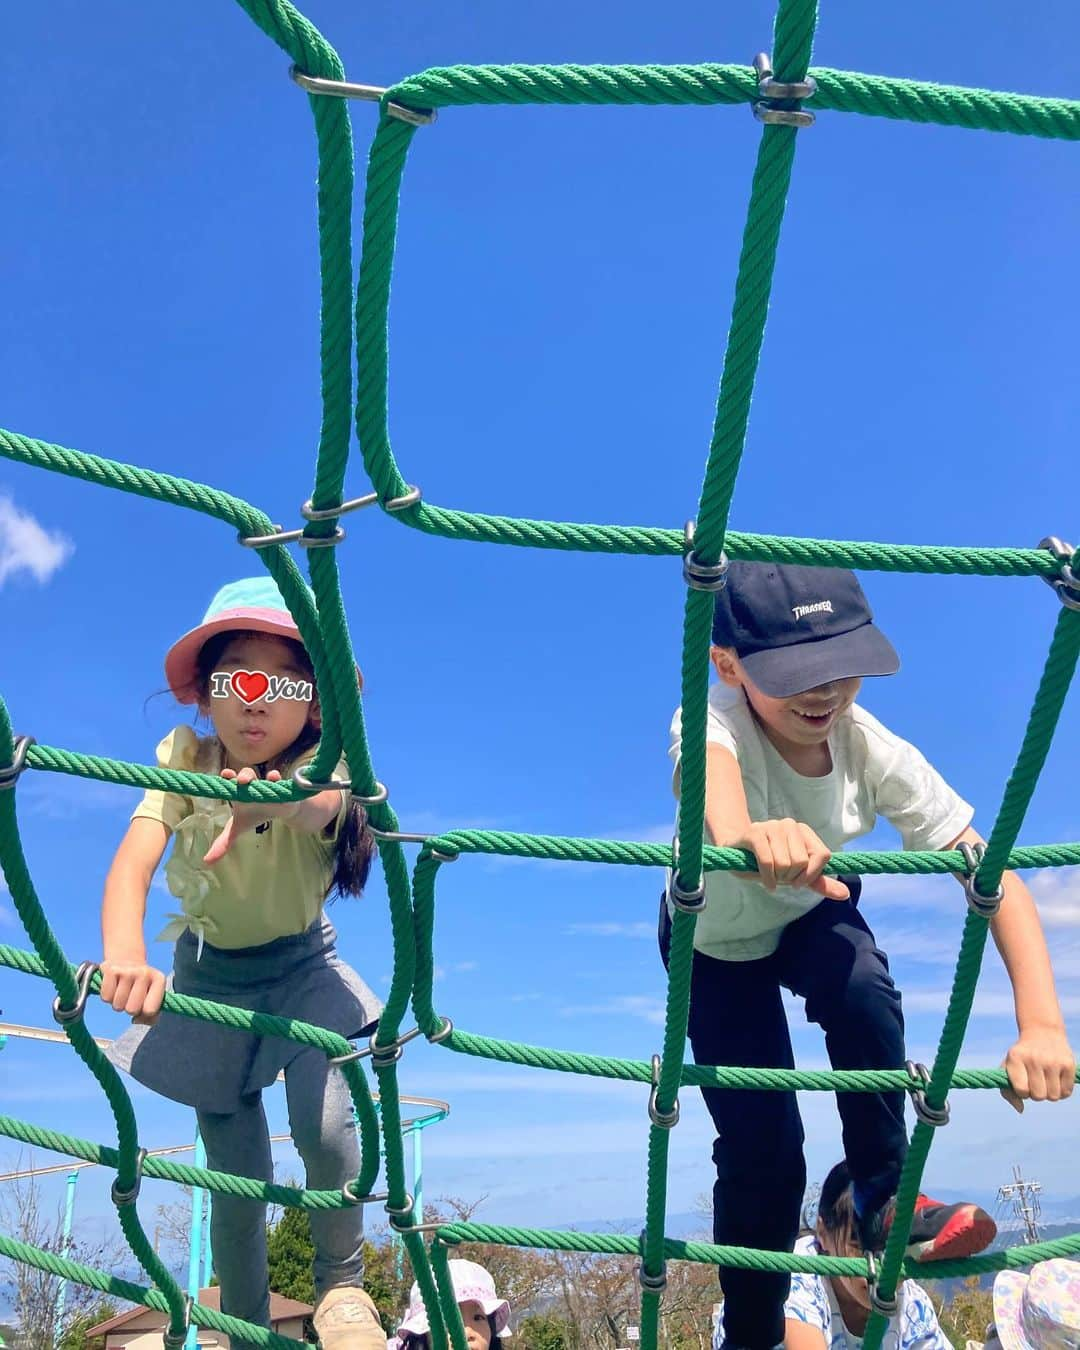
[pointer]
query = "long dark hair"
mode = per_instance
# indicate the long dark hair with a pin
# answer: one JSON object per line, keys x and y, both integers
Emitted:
{"x": 412, "y": 1341}
{"x": 355, "y": 842}
{"x": 836, "y": 1211}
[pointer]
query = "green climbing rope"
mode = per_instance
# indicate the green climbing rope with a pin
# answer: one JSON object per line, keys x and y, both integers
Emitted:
{"x": 324, "y": 629}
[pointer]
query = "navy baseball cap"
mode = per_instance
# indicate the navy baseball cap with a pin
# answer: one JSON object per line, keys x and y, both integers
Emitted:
{"x": 794, "y": 628}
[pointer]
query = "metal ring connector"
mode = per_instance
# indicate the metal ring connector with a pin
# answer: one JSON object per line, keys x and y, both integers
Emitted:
{"x": 301, "y": 780}
{"x": 10, "y": 772}
{"x": 309, "y": 513}
{"x": 400, "y": 837}
{"x": 701, "y": 576}
{"x": 986, "y": 905}
{"x": 398, "y": 1216}
{"x": 369, "y": 93}
{"x": 443, "y": 857}
{"x": 929, "y": 1115}
{"x": 444, "y": 1033}
{"x": 384, "y": 1055}
{"x": 280, "y": 536}
{"x": 354, "y": 1199}
{"x": 1066, "y": 583}
{"x": 410, "y": 498}
{"x": 381, "y": 793}
{"x": 177, "y": 1341}
{"x": 888, "y": 1307}
{"x": 690, "y": 902}
{"x": 121, "y": 1198}
{"x": 83, "y": 977}
{"x": 654, "y": 1284}
{"x": 315, "y": 541}
{"x": 772, "y": 93}
{"x": 666, "y": 1120}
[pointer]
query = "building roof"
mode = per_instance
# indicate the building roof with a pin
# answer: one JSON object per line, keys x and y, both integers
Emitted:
{"x": 281, "y": 1310}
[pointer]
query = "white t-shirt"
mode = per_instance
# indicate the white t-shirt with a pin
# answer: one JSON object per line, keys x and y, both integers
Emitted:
{"x": 813, "y": 1301}
{"x": 874, "y": 773}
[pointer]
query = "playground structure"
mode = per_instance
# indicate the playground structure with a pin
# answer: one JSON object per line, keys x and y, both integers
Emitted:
{"x": 200, "y": 1251}
{"x": 786, "y": 96}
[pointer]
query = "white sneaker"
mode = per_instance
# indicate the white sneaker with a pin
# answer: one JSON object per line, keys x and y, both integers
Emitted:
{"x": 346, "y": 1319}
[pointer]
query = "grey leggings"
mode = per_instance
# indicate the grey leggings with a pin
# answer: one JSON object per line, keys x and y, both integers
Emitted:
{"x": 321, "y": 1121}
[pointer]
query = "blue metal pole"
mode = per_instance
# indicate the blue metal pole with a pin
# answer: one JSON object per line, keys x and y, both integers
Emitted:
{"x": 418, "y": 1173}
{"x": 195, "y": 1242}
{"x": 65, "y": 1248}
{"x": 208, "y": 1252}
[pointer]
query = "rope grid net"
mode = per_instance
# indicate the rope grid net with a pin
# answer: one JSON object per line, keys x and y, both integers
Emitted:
{"x": 782, "y": 102}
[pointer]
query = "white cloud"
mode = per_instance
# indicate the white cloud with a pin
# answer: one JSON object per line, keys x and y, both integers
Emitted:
{"x": 626, "y": 930}
{"x": 642, "y": 1006}
{"x": 1057, "y": 894}
{"x": 996, "y": 1003}
{"x": 61, "y": 796}
{"x": 26, "y": 546}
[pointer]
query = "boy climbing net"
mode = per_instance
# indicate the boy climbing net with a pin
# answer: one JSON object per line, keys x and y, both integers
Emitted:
{"x": 796, "y": 768}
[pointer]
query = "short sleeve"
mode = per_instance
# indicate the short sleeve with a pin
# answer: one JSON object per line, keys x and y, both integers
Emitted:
{"x": 718, "y": 731}
{"x": 913, "y": 796}
{"x": 177, "y": 751}
{"x": 807, "y": 1302}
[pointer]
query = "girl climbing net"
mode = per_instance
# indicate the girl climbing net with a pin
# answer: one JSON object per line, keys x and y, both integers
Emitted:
{"x": 252, "y": 879}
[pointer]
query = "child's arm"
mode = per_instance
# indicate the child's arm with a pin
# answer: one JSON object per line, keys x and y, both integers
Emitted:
{"x": 1041, "y": 1064}
{"x": 127, "y": 982}
{"x": 788, "y": 853}
{"x": 308, "y": 816}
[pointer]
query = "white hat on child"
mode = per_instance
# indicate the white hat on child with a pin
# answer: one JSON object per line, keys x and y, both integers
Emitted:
{"x": 472, "y": 1284}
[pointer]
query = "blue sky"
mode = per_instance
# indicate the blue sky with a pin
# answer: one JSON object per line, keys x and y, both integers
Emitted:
{"x": 559, "y": 308}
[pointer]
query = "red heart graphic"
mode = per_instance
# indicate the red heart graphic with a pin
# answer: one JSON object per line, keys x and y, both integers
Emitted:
{"x": 250, "y": 684}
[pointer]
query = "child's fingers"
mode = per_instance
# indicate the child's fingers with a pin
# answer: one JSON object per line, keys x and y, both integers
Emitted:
{"x": 1013, "y": 1100}
{"x": 1018, "y": 1076}
{"x": 155, "y": 995}
{"x": 817, "y": 856}
{"x": 228, "y": 773}
{"x": 762, "y": 850}
{"x": 830, "y": 888}
{"x": 273, "y": 776}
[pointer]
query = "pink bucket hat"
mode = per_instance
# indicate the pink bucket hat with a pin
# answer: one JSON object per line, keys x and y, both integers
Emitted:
{"x": 472, "y": 1284}
{"x": 1040, "y": 1311}
{"x": 254, "y": 603}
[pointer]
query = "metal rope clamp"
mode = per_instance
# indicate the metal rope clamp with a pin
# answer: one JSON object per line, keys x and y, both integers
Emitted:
{"x": 284, "y": 536}
{"x": 128, "y": 1197}
{"x": 701, "y": 576}
{"x": 1066, "y": 583}
{"x": 83, "y": 977}
{"x": 929, "y": 1115}
{"x": 655, "y": 1284}
{"x": 354, "y": 1199}
{"x": 985, "y": 905}
{"x": 887, "y": 1307}
{"x": 10, "y": 772}
{"x": 773, "y": 94}
{"x": 690, "y": 902}
{"x": 177, "y": 1341}
{"x": 665, "y": 1120}
{"x": 381, "y": 1055}
{"x": 370, "y": 93}
{"x": 399, "y": 1214}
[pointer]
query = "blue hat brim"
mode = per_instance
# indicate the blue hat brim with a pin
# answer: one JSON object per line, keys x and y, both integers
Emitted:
{"x": 782, "y": 672}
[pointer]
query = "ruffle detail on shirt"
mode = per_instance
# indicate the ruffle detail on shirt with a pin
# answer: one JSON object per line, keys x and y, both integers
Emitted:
{"x": 190, "y": 879}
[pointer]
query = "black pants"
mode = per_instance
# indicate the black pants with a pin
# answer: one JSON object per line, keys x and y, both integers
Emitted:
{"x": 829, "y": 958}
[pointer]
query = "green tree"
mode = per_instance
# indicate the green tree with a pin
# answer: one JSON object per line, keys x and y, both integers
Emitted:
{"x": 290, "y": 1252}
{"x": 542, "y": 1332}
{"x": 967, "y": 1314}
{"x": 75, "y": 1337}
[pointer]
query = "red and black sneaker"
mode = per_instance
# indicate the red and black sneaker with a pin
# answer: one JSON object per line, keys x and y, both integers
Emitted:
{"x": 938, "y": 1232}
